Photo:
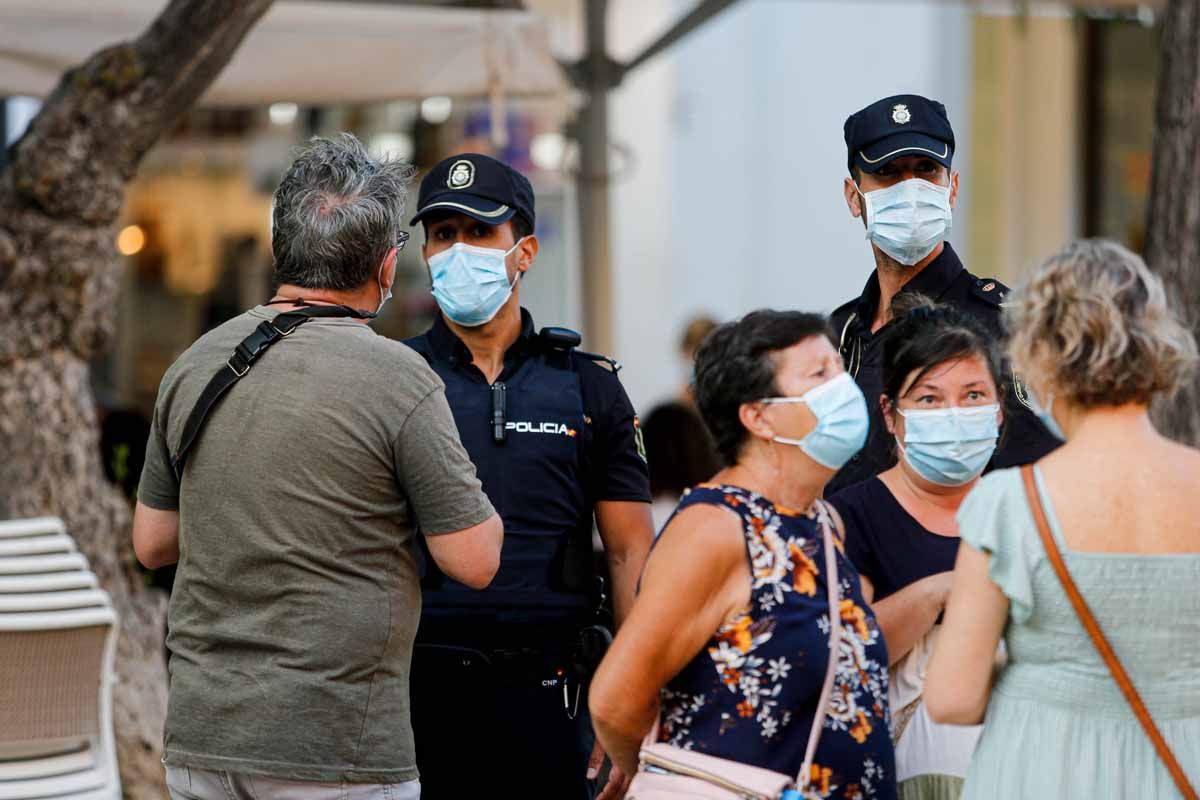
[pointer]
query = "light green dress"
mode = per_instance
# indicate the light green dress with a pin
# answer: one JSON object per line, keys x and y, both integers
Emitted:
{"x": 1057, "y": 726}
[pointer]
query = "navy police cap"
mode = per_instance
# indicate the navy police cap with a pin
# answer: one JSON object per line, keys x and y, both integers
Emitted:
{"x": 476, "y": 185}
{"x": 902, "y": 125}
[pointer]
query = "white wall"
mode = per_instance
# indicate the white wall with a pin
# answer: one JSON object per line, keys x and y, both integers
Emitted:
{"x": 734, "y": 201}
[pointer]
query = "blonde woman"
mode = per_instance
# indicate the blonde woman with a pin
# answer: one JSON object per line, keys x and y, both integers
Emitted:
{"x": 1096, "y": 343}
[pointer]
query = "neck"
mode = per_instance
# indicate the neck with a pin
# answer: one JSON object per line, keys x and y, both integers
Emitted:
{"x": 489, "y": 342}
{"x": 947, "y": 498}
{"x": 1107, "y": 424}
{"x": 361, "y": 298}
{"x": 793, "y": 488}
{"x": 892, "y": 277}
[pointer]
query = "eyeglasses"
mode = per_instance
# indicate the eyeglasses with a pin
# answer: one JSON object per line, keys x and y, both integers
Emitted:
{"x": 401, "y": 240}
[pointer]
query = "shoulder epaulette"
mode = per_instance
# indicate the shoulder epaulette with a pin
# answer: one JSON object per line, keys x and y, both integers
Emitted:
{"x": 990, "y": 291}
{"x": 612, "y": 364}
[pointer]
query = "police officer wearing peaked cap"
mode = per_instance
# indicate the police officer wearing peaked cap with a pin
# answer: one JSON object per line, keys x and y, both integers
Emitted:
{"x": 899, "y": 154}
{"x": 499, "y": 676}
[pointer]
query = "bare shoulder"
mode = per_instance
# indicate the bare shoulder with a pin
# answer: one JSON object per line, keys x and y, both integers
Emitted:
{"x": 701, "y": 536}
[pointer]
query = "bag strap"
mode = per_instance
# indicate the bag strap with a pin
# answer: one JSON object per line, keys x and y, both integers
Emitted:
{"x": 1102, "y": 645}
{"x": 825, "y": 522}
{"x": 239, "y": 363}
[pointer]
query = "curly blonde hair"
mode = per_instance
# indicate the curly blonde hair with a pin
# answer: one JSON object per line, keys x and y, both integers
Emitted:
{"x": 1092, "y": 323}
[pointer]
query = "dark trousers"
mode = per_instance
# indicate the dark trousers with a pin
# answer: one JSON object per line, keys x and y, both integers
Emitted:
{"x": 490, "y": 723}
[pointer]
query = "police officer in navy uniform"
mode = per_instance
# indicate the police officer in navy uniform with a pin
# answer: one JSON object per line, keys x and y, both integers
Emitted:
{"x": 899, "y": 152}
{"x": 499, "y": 676}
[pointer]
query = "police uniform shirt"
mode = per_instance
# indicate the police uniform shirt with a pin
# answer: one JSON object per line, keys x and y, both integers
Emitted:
{"x": 571, "y": 439}
{"x": 1023, "y": 438}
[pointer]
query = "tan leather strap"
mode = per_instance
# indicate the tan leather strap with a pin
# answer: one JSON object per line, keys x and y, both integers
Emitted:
{"x": 1102, "y": 645}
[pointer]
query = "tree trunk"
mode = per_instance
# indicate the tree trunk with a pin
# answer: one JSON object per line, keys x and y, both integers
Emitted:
{"x": 1173, "y": 227}
{"x": 59, "y": 200}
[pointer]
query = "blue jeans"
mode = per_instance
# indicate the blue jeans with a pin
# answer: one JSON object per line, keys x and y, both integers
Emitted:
{"x": 188, "y": 783}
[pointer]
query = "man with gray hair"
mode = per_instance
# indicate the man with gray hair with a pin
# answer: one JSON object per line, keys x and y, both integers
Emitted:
{"x": 288, "y": 485}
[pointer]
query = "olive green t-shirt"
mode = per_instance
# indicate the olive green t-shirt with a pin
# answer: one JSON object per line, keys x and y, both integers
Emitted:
{"x": 296, "y": 601}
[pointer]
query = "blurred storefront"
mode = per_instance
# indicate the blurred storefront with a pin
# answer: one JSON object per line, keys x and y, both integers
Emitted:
{"x": 195, "y": 234}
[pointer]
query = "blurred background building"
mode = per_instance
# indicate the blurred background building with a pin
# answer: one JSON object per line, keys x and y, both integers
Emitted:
{"x": 726, "y": 166}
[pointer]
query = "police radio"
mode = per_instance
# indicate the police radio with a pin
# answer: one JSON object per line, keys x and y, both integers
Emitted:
{"x": 499, "y": 412}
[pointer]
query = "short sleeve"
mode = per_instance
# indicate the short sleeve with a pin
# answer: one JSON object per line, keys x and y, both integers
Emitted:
{"x": 995, "y": 519}
{"x": 617, "y": 462}
{"x": 434, "y": 471}
{"x": 158, "y": 486}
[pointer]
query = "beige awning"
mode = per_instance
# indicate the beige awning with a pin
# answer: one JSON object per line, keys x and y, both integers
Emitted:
{"x": 311, "y": 53}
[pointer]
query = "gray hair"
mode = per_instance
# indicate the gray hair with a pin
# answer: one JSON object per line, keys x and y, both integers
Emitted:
{"x": 337, "y": 212}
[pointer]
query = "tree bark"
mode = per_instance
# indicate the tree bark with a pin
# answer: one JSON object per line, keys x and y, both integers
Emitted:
{"x": 1173, "y": 225}
{"x": 59, "y": 200}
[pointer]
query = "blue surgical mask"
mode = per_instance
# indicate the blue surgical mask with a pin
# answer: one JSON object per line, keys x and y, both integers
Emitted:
{"x": 842, "y": 421}
{"x": 909, "y": 219}
{"x": 1045, "y": 415}
{"x": 949, "y": 446}
{"x": 470, "y": 283}
{"x": 383, "y": 298}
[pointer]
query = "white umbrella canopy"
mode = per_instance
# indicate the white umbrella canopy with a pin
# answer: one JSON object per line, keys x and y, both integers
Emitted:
{"x": 311, "y": 53}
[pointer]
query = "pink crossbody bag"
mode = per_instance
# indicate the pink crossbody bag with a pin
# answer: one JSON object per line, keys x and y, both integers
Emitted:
{"x": 672, "y": 773}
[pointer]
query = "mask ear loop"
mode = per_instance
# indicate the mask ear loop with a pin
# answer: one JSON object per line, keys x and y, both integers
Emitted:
{"x": 509, "y": 252}
{"x": 866, "y": 217}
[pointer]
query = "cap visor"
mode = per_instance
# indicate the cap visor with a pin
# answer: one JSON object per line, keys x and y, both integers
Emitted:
{"x": 876, "y": 155}
{"x": 479, "y": 208}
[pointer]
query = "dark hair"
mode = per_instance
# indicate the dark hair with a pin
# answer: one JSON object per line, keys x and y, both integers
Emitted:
{"x": 735, "y": 365}
{"x": 521, "y": 227}
{"x": 679, "y": 451}
{"x": 337, "y": 214}
{"x": 924, "y": 334}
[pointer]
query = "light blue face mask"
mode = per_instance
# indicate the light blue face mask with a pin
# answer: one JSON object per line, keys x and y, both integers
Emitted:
{"x": 470, "y": 284}
{"x": 949, "y": 446}
{"x": 909, "y": 219}
{"x": 383, "y": 297}
{"x": 842, "y": 421}
{"x": 1044, "y": 414}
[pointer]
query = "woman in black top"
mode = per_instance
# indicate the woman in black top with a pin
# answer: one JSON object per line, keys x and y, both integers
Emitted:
{"x": 941, "y": 403}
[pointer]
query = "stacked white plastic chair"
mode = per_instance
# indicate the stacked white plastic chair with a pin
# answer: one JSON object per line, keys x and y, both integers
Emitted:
{"x": 58, "y": 636}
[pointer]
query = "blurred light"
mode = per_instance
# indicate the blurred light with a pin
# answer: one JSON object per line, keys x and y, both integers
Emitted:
{"x": 393, "y": 145}
{"x": 283, "y": 113}
{"x": 436, "y": 110}
{"x": 547, "y": 150}
{"x": 131, "y": 240}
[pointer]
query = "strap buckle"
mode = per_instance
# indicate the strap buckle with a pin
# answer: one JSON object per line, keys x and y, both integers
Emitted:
{"x": 245, "y": 369}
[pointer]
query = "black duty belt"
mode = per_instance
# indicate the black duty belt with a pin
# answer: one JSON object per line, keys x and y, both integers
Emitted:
{"x": 244, "y": 355}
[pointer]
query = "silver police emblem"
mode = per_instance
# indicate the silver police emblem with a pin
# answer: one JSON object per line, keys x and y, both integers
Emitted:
{"x": 462, "y": 175}
{"x": 900, "y": 114}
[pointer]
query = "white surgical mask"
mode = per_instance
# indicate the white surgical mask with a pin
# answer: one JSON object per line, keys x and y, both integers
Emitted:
{"x": 908, "y": 220}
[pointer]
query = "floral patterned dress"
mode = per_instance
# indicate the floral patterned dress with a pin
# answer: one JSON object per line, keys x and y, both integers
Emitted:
{"x": 751, "y": 692}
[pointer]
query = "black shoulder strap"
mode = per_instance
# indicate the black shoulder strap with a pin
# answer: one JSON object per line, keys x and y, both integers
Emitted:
{"x": 244, "y": 355}
{"x": 990, "y": 291}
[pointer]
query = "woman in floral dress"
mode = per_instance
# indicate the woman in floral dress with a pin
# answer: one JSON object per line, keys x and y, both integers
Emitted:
{"x": 728, "y": 641}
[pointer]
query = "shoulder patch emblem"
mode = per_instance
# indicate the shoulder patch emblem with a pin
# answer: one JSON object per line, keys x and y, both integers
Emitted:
{"x": 1021, "y": 391}
{"x": 638, "y": 439}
